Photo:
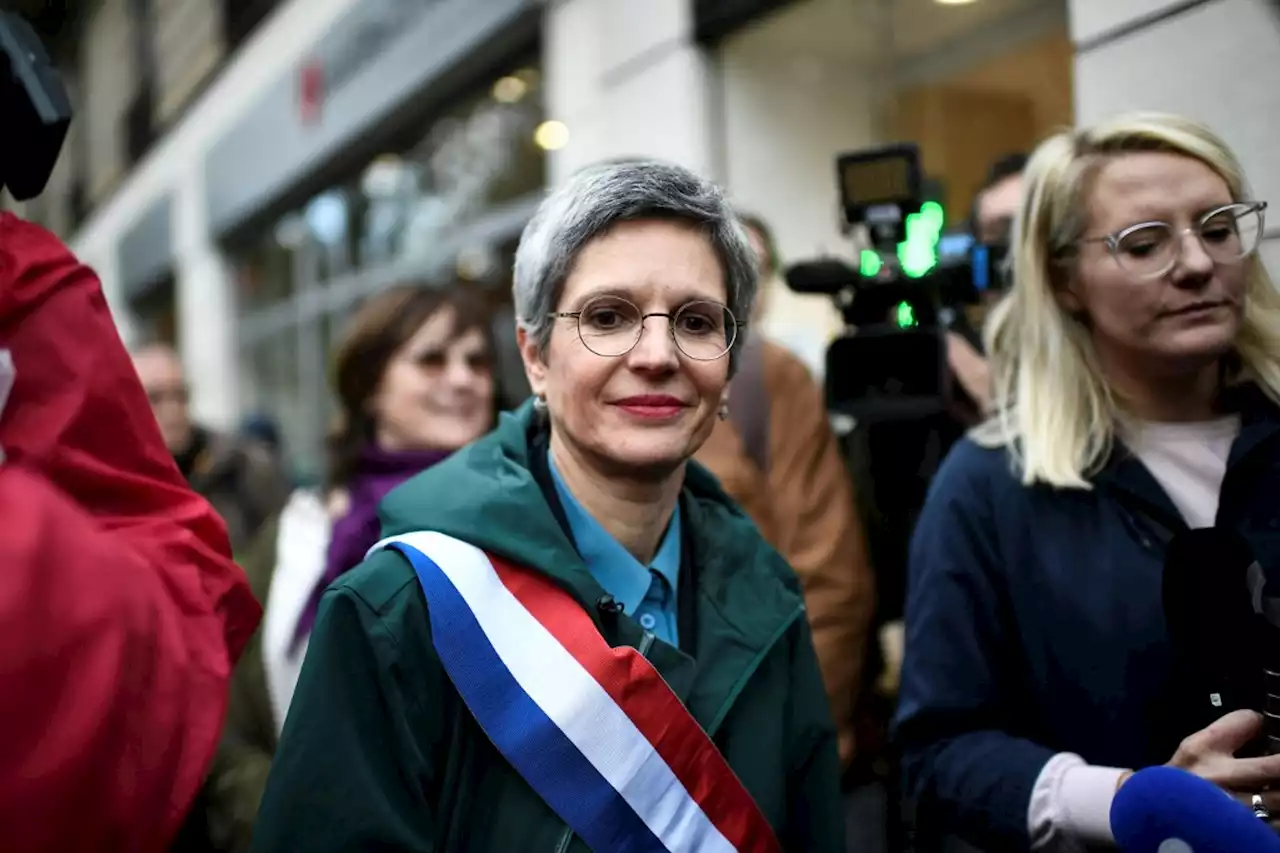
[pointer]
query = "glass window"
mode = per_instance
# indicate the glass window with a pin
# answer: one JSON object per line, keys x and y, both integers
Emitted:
{"x": 265, "y": 274}
{"x": 313, "y": 396}
{"x": 328, "y": 227}
{"x": 483, "y": 153}
{"x": 439, "y": 205}
{"x": 272, "y": 388}
{"x": 403, "y": 207}
{"x": 335, "y": 325}
{"x": 468, "y": 162}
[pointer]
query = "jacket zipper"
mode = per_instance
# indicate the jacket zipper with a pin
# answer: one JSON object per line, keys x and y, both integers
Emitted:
{"x": 741, "y": 683}
{"x": 646, "y": 643}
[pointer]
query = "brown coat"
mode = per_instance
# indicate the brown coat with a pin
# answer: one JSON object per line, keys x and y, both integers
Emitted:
{"x": 243, "y": 482}
{"x": 804, "y": 507}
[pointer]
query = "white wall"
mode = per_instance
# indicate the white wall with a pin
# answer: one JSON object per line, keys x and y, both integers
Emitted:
{"x": 628, "y": 80}
{"x": 1218, "y": 63}
{"x": 786, "y": 115}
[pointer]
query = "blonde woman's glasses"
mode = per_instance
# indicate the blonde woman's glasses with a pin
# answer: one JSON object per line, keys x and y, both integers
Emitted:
{"x": 1151, "y": 249}
{"x": 611, "y": 326}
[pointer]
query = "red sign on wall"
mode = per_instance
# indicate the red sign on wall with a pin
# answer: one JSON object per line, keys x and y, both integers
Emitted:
{"x": 310, "y": 93}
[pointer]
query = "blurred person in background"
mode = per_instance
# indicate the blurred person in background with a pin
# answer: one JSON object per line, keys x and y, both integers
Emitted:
{"x": 990, "y": 223}
{"x": 997, "y": 202}
{"x": 777, "y": 457}
{"x": 413, "y": 379}
{"x": 242, "y": 479}
{"x": 264, "y": 430}
{"x": 618, "y": 639}
{"x": 1137, "y": 371}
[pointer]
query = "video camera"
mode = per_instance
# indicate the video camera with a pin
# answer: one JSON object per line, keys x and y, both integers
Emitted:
{"x": 35, "y": 111}
{"x": 891, "y": 362}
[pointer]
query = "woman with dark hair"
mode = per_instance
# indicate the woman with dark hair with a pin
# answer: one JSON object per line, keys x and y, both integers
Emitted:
{"x": 413, "y": 381}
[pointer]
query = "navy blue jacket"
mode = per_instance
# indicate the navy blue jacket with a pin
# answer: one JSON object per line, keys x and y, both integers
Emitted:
{"x": 1034, "y": 625}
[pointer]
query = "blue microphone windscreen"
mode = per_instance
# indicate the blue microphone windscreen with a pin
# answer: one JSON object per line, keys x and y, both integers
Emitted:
{"x": 1162, "y": 806}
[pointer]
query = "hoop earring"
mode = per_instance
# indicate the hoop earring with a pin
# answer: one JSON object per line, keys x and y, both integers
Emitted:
{"x": 724, "y": 412}
{"x": 540, "y": 404}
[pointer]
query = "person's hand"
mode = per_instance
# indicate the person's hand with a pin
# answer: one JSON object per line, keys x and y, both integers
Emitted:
{"x": 1210, "y": 754}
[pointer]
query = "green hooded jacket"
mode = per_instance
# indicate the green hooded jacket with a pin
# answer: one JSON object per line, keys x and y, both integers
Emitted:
{"x": 380, "y": 754}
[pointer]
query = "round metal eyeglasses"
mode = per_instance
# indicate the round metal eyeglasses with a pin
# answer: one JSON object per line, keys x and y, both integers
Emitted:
{"x": 611, "y": 326}
{"x": 1151, "y": 249}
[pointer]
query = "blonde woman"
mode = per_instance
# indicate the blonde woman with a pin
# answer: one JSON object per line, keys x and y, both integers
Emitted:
{"x": 1137, "y": 367}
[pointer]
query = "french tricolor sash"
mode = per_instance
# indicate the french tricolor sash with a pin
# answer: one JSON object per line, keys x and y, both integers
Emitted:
{"x": 594, "y": 730}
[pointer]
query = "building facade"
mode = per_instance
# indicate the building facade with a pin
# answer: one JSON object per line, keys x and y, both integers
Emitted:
{"x": 252, "y": 170}
{"x": 345, "y": 147}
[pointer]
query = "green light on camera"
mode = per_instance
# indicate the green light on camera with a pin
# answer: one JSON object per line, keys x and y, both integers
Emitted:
{"x": 905, "y": 316}
{"x": 869, "y": 263}
{"x": 918, "y": 254}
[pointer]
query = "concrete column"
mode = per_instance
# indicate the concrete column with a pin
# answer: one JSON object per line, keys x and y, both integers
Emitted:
{"x": 206, "y": 307}
{"x": 1213, "y": 60}
{"x": 628, "y": 79}
{"x": 792, "y": 97}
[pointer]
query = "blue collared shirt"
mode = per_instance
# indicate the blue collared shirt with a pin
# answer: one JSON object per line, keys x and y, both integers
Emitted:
{"x": 647, "y": 594}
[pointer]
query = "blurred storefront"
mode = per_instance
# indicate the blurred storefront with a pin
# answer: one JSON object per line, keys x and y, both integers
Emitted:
{"x": 348, "y": 146}
{"x": 442, "y": 203}
{"x": 432, "y": 189}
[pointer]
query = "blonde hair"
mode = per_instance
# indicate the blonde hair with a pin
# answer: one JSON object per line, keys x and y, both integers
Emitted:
{"x": 1053, "y": 409}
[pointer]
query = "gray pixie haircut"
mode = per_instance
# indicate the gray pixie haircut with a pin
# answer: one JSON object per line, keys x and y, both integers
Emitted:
{"x": 597, "y": 198}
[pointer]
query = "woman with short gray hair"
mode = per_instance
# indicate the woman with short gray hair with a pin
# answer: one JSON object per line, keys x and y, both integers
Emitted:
{"x": 569, "y": 638}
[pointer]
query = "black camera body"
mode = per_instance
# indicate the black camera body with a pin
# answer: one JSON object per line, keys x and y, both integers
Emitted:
{"x": 890, "y": 364}
{"x": 35, "y": 111}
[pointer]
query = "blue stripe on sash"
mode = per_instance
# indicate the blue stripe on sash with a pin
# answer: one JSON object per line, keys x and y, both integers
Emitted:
{"x": 526, "y": 736}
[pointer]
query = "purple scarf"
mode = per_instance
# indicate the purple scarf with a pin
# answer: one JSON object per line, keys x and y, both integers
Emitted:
{"x": 377, "y": 473}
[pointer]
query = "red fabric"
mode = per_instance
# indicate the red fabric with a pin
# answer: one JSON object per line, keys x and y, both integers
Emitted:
{"x": 121, "y": 611}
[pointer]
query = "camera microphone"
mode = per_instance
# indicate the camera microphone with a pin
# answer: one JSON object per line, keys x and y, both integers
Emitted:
{"x": 1163, "y": 809}
{"x": 609, "y": 605}
{"x": 822, "y": 276}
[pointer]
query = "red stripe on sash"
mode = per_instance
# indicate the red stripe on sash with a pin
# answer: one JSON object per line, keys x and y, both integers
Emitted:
{"x": 657, "y": 712}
